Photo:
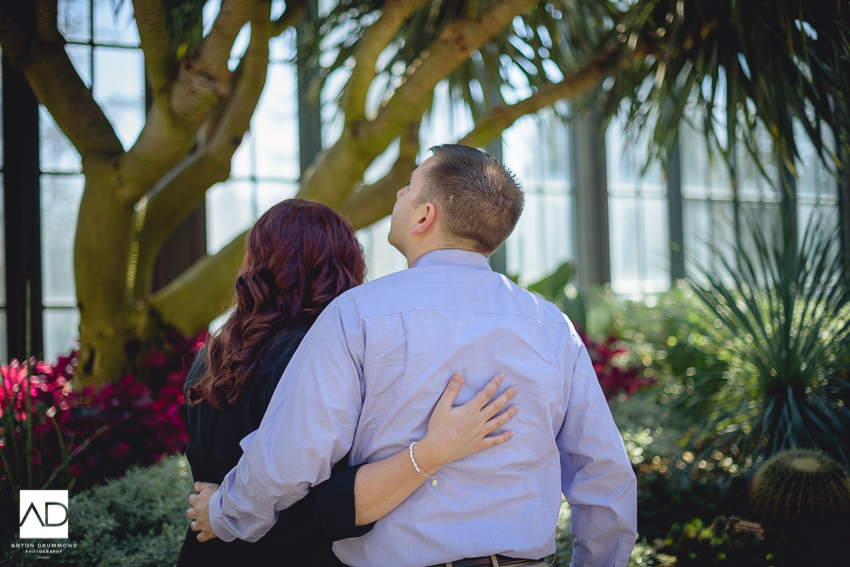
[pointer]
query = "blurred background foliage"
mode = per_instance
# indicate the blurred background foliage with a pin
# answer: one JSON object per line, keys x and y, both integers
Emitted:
{"x": 748, "y": 362}
{"x": 138, "y": 519}
{"x": 737, "y": 66}
{"x": 779, "y": 65}
{"x": 782, "y": 313}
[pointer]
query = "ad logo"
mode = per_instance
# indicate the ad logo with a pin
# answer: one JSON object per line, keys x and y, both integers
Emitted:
{"x": 44, "y": 514}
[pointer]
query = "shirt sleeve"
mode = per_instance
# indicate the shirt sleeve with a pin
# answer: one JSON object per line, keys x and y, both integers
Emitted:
{"x": 326, "y": 514}
{"x": 308, "y": 427}
{"x": 596, "y": 475}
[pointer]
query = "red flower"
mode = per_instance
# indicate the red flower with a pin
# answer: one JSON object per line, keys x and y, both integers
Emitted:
{"x": 613, "y": 379}
{"x": 112, "y": 427}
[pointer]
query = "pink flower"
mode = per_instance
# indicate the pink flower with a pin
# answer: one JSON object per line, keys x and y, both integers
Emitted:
{"x": 113, "y": 426}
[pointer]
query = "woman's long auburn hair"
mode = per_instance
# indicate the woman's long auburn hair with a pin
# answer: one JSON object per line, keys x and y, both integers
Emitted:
{"x": 300, "y": 256}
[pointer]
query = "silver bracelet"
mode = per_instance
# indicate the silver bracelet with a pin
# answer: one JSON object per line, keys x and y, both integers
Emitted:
{"x": 412, "y": 460}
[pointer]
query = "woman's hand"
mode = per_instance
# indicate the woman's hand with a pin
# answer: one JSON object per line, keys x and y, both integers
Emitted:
{"x": 455, "y": 432}
{"x": 199, "y": 513}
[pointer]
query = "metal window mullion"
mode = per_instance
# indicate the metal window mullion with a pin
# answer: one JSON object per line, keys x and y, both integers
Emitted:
{"x": 844, "y": 204}
{"x": 675, "y": 213}
{"x": 91, "y": 43}
{"x": 22, "y": 206}
{"x": 640, "y": 238}
{"x": 788, "y": 195}
{"x": 736, "y": 214}
{"x": 591, "y": 202}
{"x": 309, "y": 114}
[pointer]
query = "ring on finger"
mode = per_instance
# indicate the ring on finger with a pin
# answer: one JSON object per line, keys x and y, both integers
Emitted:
{"x": 194, "y": 526}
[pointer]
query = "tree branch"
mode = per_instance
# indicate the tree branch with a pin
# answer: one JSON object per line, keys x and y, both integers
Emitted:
{"x": 215, "y": 50}
{"x": 202, "y": 81}
{"x": 200, "y": 294}
{"x": 57, "y": 86}
{"x": 293, "y": 12}
{"x": 336, "y": 170}
{"x": 374, "y": 202}
{"x": 156, "y": 44}
{"x": 452, "y": 47}
{"x": 46, "y": 14}
{"x": 250, "y": 81}
{"x": 502, "y": 117}
{"x": 172, "y": 199}
{"x": 163, "y": 142}
{"x": 376, "y": 39}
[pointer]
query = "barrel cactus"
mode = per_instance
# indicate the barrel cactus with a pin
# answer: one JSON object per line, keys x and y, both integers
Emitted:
{"x": 800, "y": 485}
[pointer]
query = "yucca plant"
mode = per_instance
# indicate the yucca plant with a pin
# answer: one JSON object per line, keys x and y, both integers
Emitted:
{"x": 782, "y": 310}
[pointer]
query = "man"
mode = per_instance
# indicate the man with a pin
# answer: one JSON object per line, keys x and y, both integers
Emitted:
{"x": 359, "y": 385}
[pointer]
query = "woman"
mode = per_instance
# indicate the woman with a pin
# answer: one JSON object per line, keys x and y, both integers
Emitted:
{"x": 300, "y": 256}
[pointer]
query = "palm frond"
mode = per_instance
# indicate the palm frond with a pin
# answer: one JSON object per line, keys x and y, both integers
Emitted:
{"x": 735, "y": 67}
{"x": 541, "y": 45}
{"x": 784, "y": 312}
{"x": 184, "y": 20}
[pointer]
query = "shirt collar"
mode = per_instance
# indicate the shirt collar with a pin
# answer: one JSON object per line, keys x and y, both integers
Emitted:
{"x": 452, "y": 256}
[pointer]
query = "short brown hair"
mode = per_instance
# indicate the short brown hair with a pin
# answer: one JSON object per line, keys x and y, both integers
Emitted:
{"x": 481, "y": 198}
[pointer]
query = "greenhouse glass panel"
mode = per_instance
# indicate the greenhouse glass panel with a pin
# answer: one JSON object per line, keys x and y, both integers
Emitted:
{"x": 114, "y": 23}
{"x": 119, "y": 89}
{"x": 56, "y": 153}
{"x": 231, "y": 210}
{"x": 270, "y": 193}
{"x": 74, "y": 19}
{"x": 638, "y": 212}
{"x": 275, "y": 126}
{"x": 80, "y": 56}
{"x": 61, "y": 332}
{"x": 60, "y": 205}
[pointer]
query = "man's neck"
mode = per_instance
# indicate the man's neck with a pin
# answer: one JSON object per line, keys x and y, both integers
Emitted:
{"x": 414, "y": 255}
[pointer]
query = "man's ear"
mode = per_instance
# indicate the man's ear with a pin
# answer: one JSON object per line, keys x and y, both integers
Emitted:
{"x": 426, "y": 220}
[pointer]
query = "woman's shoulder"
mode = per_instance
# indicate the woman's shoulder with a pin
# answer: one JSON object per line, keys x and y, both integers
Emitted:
{"x": 276, "y": 358}
{"x": 282, "y": 347}
{"x": 288, "y": 338}
{"x": 197, "y": 369}
{"x": 284, "y": 343}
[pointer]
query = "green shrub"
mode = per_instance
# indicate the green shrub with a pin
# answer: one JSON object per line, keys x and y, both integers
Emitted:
{"x": 137, "y": 520}
{"x": 696, "y": 544}
{"x": 646, "y": 430}
{"x": 642, "y": 556}
{"x": 672, "y": 483}
{"x": 782, "y": 307}
{"x": 664, "y": 501}
{"x": 660, "y": 331}
{"x": 563, "y": 539}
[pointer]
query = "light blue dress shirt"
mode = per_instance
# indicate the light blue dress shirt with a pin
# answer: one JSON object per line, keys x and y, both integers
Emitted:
{"x": 365, "y": 381}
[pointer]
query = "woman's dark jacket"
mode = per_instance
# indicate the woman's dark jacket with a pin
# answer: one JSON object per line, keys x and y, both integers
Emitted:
{"x": 305, "y": 532}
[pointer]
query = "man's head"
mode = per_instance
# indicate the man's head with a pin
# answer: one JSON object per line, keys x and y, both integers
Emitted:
{"x": 458, "y": 198}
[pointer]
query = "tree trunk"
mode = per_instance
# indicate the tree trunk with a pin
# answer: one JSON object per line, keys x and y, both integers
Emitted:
{"x": 101, "y": 255}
